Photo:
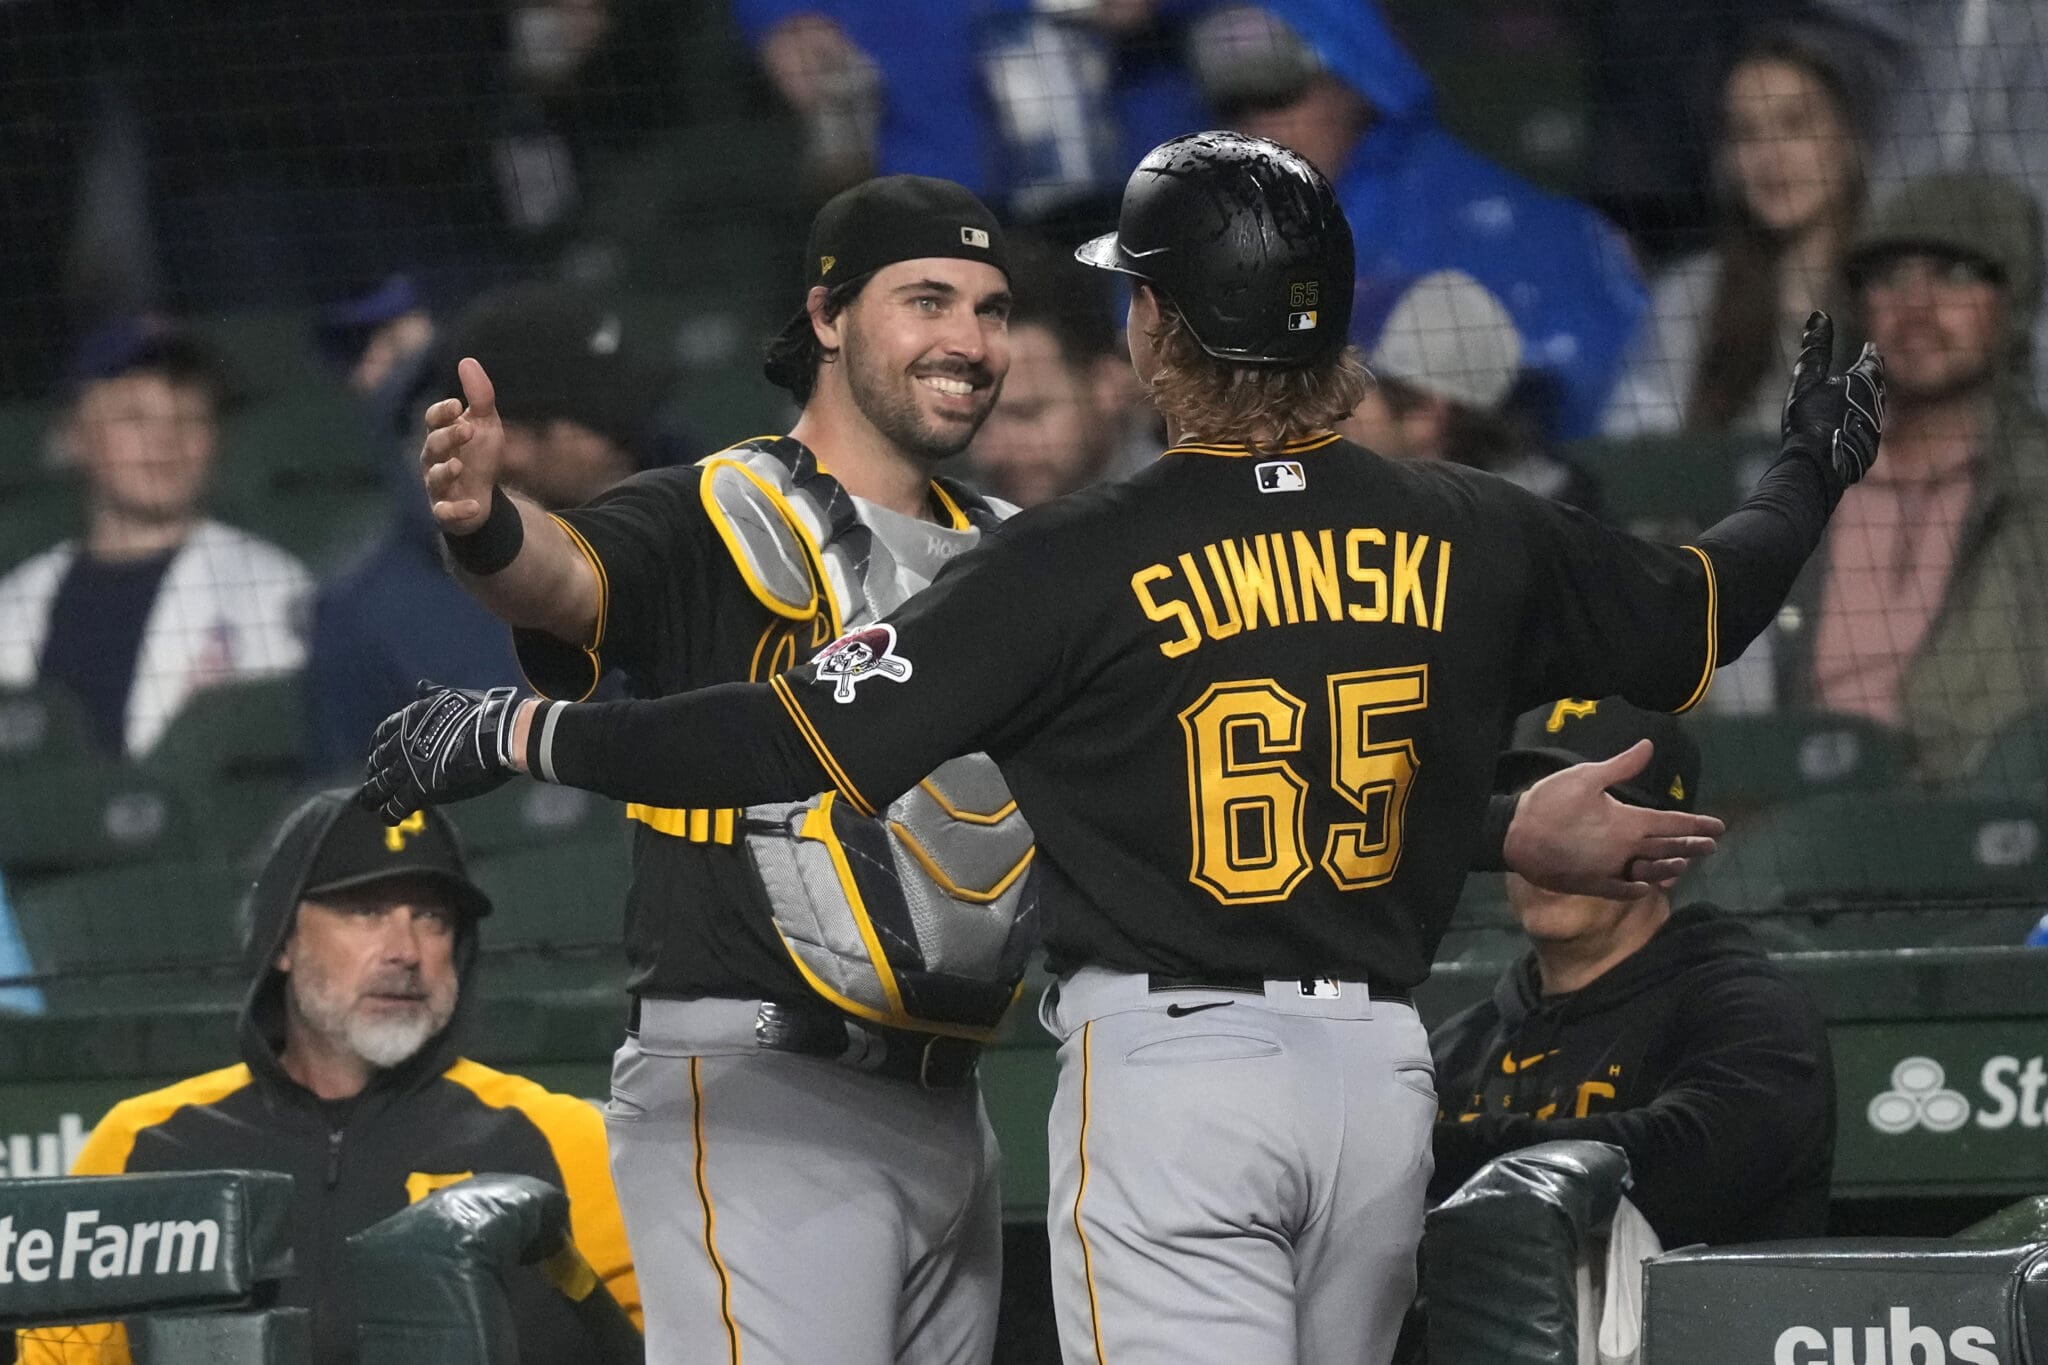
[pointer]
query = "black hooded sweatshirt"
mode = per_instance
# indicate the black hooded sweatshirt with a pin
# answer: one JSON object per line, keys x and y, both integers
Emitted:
{"x": 1695, "y": 1055}
{"x": 425, "y": 1123}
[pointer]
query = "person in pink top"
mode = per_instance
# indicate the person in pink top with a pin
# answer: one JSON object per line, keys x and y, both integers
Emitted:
{"x": 1927, "y": 608}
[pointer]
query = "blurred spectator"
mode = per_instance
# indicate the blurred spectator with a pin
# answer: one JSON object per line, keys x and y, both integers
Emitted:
{"x": 1040, "y": 109}
{"x": 1327, "y": 78}
{"x": 14, "y": 961}
{"x": 579, "y": 407}
{"x": 1927, "y": 606}
{"x": 361, "y": 947}
{"x": 1061, "y": 422}
{"x": 1665, "y": 1032}
{"x": 154, "y": 601}
{"x": 1790, "y": 166}
{"x": 368, "y": 337}
{"x": 1968, "y": 92}
{"x": 1445, "y": 367}
{"x": 1655, "y": 74}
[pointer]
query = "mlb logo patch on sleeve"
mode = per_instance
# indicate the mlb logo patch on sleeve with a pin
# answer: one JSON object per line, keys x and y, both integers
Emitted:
{"x": 1280, "y": 476}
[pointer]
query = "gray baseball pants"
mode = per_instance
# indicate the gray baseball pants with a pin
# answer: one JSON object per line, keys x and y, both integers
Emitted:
{"x": 1237, "y": 1179}
{"x": 785, "y": 1210}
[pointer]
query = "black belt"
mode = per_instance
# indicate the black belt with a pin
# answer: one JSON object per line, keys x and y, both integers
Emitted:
{"x": 1256, "y": 985}
{"x": 932, "y": 1060}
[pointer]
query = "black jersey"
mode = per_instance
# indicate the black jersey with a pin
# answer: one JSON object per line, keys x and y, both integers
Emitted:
{"x": 674, "y": 614}
{"x": 1251, "y": 704}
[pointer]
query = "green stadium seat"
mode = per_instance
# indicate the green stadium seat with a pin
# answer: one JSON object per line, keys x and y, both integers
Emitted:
{"x": 1671, "y": 485}
{"x": 2016, "y": 760}
{"x": 528, "y": 814}
{"x": 1846, "y": 850}
{"x": 85, "y": 815}
{"x": 558, "y": 915}
{"x": 42, "y": 727}
{"x": 251, "y": 727}
{"x": 134, "y": 938}
{"x": 35, "y": 517}
{"x": 572, "y": 892}
{"x": 1751, "y": 761}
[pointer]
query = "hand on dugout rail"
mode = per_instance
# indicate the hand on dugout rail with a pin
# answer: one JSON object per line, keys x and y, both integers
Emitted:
{"x": 449, "y": 745}
{"x": 464, "y": 453}
{"x": 1570, "y": 836}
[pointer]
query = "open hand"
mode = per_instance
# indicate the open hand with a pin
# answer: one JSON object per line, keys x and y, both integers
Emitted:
{"x": 1570, "y": 836}
{"x": 464, "y": 452}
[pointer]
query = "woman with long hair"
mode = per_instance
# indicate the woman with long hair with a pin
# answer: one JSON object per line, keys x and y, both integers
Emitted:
{"x": 1790, "y": 163}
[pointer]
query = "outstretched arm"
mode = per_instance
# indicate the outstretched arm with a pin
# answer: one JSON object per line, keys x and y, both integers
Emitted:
{"x": 1566, "y": 834}
{"x": 511, "y": 556}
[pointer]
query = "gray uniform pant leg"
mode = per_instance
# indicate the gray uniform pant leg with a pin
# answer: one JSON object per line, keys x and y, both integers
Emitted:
{"x": 1241, "y": 1185}
{"x": 785, "y": 1209}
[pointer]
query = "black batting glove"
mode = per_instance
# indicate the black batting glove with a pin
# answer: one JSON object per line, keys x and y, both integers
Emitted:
{"x": 448, "y": 746}
{"x": 1835, "y": 419}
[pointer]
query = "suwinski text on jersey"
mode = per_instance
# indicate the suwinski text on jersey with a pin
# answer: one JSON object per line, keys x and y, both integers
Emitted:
{"x": 1286, "y": 578}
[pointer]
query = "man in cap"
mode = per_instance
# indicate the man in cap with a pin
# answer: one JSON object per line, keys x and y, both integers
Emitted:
{"x": 1248, "y": 700}
{"x": 1665, "y": 1032}
{"x": 1927, "y": 608}
{"x": 361, "y": 942}
{"x": 1445, "y": 365}
{"x": 758, "y": 1003}
{"x": 581, "y": 414}
{"x": 153, "y": 600}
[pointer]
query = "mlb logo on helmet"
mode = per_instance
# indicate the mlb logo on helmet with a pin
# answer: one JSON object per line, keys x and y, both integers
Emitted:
{"x": 1302, "y": 322}
{"x": 1281, "y": 476}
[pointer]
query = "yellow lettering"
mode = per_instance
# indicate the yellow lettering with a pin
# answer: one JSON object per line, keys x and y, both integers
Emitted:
{"x": 1251, "y": 574}
{"x": 1355, "y": 570}
{"x": 1443, "y": 583}
{"x": 1173, "y": 610}
{"x": 1318, "y": 566}
{"x": 1215, "y": 629}
{"x": 1285, "y": 579}
{"x": 1588, "y": 1092}
{"x": 1408, "y": 578}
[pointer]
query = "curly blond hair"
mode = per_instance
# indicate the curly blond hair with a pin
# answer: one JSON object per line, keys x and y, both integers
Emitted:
{"x": 1264, "y": 406}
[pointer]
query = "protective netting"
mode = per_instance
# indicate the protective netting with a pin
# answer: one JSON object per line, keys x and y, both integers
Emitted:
{"x": 242, "y": 243}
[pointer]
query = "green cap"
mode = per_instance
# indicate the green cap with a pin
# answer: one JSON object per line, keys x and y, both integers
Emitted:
{"x": 1969, "y": 214}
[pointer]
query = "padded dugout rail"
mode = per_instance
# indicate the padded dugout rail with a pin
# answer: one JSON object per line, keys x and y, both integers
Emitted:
{"x": 1903, "y": 1301}
{"x": 90, "y": 1248}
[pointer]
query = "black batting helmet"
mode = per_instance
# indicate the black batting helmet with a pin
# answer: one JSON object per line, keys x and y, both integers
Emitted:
{"x": 1248, "y": 241}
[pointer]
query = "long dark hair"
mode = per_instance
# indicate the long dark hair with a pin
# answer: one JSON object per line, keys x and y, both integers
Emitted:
{"x": 1739, "y": 341}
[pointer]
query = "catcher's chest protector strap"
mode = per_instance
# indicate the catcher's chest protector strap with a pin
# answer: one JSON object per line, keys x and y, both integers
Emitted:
{"x": 921, "y": 917}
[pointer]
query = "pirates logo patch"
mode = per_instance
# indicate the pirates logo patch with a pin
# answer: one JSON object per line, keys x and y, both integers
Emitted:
{"x": 856, "y": 657}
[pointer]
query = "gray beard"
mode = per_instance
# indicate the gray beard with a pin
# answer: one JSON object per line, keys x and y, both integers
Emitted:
{"x": 383, "y": 1043}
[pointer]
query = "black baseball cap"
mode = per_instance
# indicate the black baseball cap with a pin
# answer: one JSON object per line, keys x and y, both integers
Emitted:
{"x": 895, "y": 218}
{"x": 359, "y": 850}
{"x": 1562, "y": 733}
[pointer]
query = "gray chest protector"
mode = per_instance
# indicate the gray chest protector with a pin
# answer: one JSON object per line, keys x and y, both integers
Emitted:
{"x": 921, "y": 917}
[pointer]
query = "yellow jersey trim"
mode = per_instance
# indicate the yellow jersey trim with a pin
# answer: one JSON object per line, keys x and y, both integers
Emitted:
{"x": 1087, "y": 1257}
{"x": 574, "y": 1132}
{"x": 952, "y": 508}
{"x": 947, "y": 884}
{"x": 817, "y": 742}
{"x": 1713, "y": 633}
{"x": 592, "y": 650}
{"x": 106, "y": 1152}
{"x": 697, "y": 826}
{"x": 1300, "y": 445}
{"x": 968, "y": 817}
{"x": 732, "y": 1330}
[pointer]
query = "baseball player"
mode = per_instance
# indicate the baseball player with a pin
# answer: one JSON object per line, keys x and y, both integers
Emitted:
{"x": 1249, "y": 701}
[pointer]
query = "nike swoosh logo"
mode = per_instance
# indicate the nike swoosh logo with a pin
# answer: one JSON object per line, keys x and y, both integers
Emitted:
{"x": 1509, "y": 1065}
{"x": 1178, "y": 1010}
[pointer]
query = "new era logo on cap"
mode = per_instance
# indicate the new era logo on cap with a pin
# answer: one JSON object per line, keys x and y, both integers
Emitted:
{"x": 974, "y": 236}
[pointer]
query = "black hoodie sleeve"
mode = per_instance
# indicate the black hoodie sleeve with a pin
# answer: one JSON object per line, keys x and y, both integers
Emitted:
{"x": 1745, "y": 1112}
